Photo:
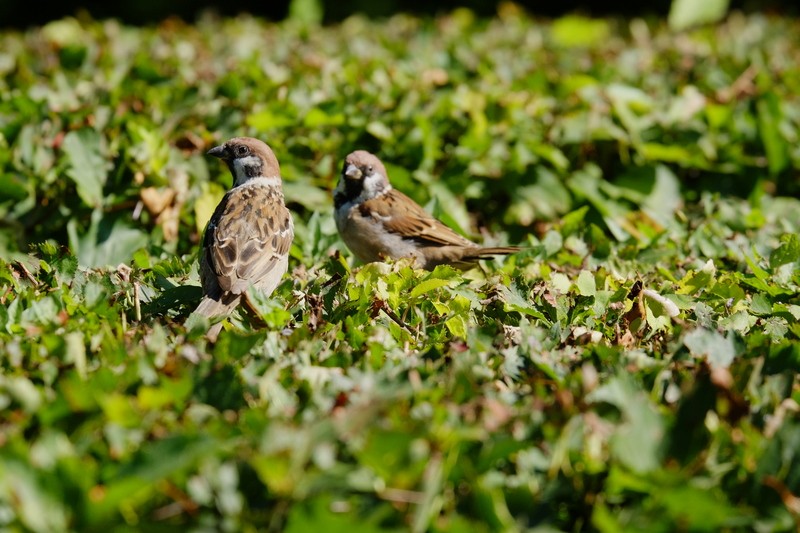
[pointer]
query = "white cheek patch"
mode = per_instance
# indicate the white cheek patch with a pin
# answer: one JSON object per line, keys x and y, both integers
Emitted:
{"x": 249, "y": 161}
{"x": 375, "y": 185}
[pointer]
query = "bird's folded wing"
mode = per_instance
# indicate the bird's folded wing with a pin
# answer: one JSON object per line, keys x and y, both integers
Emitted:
{"x": 244, "y": 249}
{"x": 404, "y": 217}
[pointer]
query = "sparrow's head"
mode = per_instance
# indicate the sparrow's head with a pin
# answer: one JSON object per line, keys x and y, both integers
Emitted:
{"x": 247, "y": 158}
{"x": 363, "y": 177}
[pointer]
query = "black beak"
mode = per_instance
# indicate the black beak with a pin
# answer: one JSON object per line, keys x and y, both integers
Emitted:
{"x": 218, "y": 151}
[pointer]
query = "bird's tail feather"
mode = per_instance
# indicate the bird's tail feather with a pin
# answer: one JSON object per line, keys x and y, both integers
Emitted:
{"x": 210, "y": 307}
{"x": 482, "y": 253}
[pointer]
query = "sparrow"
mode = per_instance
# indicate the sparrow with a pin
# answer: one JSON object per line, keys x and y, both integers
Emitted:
{"x": 377, "y": 221}
{"x": 246, "y": 243}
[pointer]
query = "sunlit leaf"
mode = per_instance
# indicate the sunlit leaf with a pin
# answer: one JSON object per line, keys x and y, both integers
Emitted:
{"x": 686, "y": 13}
{"x": 306, "y": 11}
{"x": 579, "y": 31}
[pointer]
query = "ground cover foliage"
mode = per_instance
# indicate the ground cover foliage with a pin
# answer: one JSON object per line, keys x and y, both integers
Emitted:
{"x": 634, "y": 368}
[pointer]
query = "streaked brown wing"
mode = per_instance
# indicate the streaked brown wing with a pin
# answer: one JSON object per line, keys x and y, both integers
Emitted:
{"x": 401, "y": 215}
{"x": 247, "y": 237}
{"x": 259, "y": 257}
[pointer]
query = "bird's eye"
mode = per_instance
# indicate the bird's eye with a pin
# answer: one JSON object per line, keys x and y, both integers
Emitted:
{"x": 241, "y": 151}
{"x": 369, "y": 169}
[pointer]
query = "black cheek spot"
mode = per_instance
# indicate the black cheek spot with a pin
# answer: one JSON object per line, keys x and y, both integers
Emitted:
{"x": 253, "y": 171}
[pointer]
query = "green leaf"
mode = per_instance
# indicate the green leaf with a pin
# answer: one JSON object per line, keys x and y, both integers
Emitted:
{"x": 574, "y": 221}
{"x": 106, "y": 242}
{"x": 317, "y": 117}
{"x": 447, "y": 207}
{"x": 429, "y": 285}
{"x": 560, "y": 282}
{"x": 491, "y": 503}
{"x": 76, "y": 352}
{"x": 379, "y": 130}
{"x": 637, "y": 440}
{"x": 791, "y": 309}
{"x": 605, "y": 520}
{"x": 769, "y": 118}
{"x": 88, "y": 164}
{"x": 699, "y": 508}
{"x": 776, "y": 327}
{"x": 431, "y": 504}
{"x": 668, "y": 153}
{"x": 322, "y": 513}
{"x": 587, "y": 183}
{"x": 761, "y": 305}
{"x": 25, "y": 494}
{"x": 12, "y": 188}
{"x": 272, "y": 311}
{"x": 758, "y": 272}
{"x": 787, "y": 252}
{"x": 577, "y": 31}
{"x": 458, "y": 325}
{"x": 21, "y": 390}
{"x": 307, "y": 12}
{"x": 546, "y": 199}
{"x": 718, "y": 349}
{"x": 586, "y": 284}
{"x": 664, "y": 199}
{"x": 206, "y": 203}
{"x": 696, "y": 281}
{"x": 155, "y": 462}
{"x": 659, "y": 310}
{"x": 514, "y": 301}
{"x": 269, "y": 120}
{"x": 684, "y": 14}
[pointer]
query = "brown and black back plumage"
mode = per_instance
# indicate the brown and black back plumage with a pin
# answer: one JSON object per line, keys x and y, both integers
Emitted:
{"x": 377, "y": 221}
{"x": 246, "y": 243}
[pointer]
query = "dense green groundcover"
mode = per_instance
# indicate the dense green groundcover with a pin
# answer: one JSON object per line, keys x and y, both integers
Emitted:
{"x": 633, "y": 369}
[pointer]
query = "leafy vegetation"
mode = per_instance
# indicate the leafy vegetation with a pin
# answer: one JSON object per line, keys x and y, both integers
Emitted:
{"x": 634, "y": 368}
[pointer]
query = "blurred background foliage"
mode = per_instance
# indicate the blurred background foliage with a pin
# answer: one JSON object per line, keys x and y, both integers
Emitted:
{"x": 17, "y": 13}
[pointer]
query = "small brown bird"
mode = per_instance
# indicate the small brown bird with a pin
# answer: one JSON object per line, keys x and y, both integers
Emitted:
{"x": 246, "y": 243}
{"x": 378, "y": 222}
